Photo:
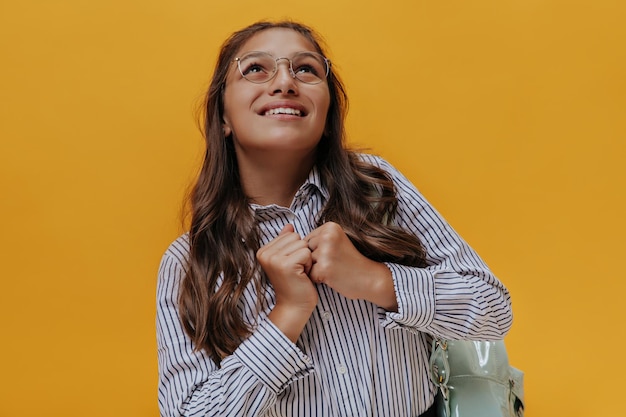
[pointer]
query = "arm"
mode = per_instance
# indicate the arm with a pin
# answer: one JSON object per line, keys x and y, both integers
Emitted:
{"x": 190, "y": 384}
{"x": 456, "y": 296}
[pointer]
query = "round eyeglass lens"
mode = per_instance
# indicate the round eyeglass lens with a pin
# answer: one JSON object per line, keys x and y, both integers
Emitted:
{"x": 309, "y": 67}
{"x": 257, "y": 67}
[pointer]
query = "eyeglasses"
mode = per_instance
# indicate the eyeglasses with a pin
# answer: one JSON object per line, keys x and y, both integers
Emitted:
{"x": 260, "y": 67}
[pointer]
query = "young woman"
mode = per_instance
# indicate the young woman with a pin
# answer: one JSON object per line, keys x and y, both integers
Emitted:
{"x": 312, "y": 277}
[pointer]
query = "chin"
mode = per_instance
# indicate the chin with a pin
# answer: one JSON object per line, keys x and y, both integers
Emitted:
{"x": 291, "y": 142}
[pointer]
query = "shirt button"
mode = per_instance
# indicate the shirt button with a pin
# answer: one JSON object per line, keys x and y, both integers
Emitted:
{"x": 326, "y": 315}
{"x": 342, "y": 369}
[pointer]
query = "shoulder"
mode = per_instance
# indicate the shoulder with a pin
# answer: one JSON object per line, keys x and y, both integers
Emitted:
{"x": 373, "y": 159}
{"x": 379, "y": 162}
{"x": 369, "y": 158}
{"x": 172, "y": 270}
{"x": 177, "y": 252}
{"x": 405, "y": 188}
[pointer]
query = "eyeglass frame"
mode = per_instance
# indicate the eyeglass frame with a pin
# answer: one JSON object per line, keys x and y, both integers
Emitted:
{"x": 290, "y": 60}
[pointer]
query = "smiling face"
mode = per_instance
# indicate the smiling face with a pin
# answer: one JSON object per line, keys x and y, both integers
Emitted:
{"x": 283, "y": 114}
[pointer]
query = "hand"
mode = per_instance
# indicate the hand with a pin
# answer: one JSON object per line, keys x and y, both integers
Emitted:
{"x": 338, "y": 264}
{"x": 287, "y": 260}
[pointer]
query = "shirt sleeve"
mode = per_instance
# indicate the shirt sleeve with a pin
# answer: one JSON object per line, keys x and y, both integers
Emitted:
{"x": 456, "y": 296}
{"x": 190, "y": 384}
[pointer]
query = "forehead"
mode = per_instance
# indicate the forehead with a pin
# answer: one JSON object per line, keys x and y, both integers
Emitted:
{"x": 278, "y": 42}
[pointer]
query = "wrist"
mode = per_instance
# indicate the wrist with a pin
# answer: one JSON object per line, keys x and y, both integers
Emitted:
{"x": 290, "y": 319}
{"x": 381, "y": 288}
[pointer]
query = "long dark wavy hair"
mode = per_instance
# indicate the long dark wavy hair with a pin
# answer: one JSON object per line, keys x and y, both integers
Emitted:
{"x": 223, "y": 235}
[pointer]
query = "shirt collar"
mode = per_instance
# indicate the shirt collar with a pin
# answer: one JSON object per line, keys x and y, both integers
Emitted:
{"x": 312, "y": 184}
{"x": 314, "y": 180}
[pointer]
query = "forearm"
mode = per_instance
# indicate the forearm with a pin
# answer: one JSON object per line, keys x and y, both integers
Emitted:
{"x": 247, "y": 382}
{"x": 451, "y": 304}
{"x": 456, "y": 295}
{"x": 215, "y": 396}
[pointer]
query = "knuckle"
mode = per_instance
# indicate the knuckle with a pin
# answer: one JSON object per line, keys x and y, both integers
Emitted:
{"x": 264, "y": 257}
{"x": 333, "y": 226}
{"x": 333, "y": 229}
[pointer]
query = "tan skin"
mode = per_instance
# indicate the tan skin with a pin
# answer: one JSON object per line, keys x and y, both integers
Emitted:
{"x": 273, "y": 164}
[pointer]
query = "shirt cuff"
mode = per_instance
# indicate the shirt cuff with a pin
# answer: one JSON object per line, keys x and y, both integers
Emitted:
{"x": 415, "y": 293}
{"x": 273, "y": 358}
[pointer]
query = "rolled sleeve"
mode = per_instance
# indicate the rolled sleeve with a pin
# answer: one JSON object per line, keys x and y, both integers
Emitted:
{"x": 415, "y": 293}
{"x": 272, "y": 357}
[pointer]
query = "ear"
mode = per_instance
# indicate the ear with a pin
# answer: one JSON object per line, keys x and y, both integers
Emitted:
{"x": 226, "y": 129}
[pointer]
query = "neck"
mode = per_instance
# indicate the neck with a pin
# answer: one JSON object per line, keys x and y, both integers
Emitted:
{"x": 273, "y": 179}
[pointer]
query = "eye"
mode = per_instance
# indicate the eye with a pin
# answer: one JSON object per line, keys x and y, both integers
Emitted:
{"x": 306, "y": 68}
{"x": 309, "y": 67}
{"x": 252, "y": 67}
{"x": 257, "y": 66}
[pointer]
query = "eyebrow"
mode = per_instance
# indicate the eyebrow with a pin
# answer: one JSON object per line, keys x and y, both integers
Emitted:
{"x": 256, "y": 53}
{"x": 253, "y": 53}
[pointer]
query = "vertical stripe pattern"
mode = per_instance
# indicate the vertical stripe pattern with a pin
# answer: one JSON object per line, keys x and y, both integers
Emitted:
{"x": 353, "y": 358}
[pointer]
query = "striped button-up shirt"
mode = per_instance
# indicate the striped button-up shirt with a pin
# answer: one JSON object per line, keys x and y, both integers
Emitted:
{"x": 353, "y": 358}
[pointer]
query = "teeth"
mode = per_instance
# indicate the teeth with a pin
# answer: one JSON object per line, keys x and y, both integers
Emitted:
{"x": 283, "y": 110}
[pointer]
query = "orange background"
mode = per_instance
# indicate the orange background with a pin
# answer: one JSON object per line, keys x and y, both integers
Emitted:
{"x": 508, "y": 115}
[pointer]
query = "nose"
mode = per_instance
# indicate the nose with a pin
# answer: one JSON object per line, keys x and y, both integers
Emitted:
{"x": 285, "y": 81}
